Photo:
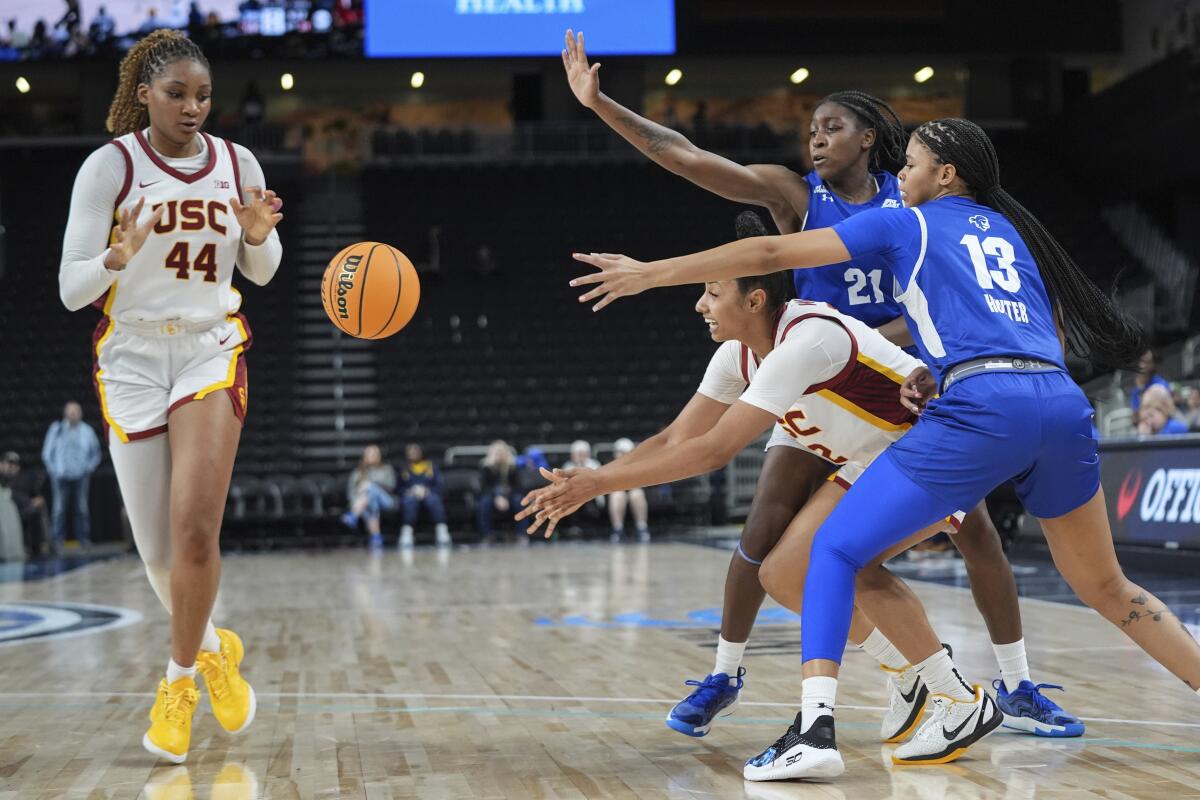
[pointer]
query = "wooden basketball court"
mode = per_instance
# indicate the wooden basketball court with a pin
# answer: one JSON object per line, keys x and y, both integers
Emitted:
{"x": 535, "y": 672}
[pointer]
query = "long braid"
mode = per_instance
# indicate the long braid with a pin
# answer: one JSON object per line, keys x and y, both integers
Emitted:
{"x": 142, "y": 64}
{"x": 1095, "y": 327}
{"x": 887, "y": 152}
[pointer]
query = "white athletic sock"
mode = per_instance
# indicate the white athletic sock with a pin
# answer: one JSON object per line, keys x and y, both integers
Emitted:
{"x": 211, "y": 642}
{"x": 942, "y": 677}
{"x": 1014, "y": 666}
{"x": 175, "y": 672}
{"x": 816, "y": 700}
{"x": 729, "y": 657}
{"x": 879, "y": 648}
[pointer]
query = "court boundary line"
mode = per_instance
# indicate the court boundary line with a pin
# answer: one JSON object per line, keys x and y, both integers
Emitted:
{"x": 531, "y": 698}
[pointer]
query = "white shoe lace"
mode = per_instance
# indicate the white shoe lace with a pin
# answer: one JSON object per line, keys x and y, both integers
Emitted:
{"x": 932, "y": 729}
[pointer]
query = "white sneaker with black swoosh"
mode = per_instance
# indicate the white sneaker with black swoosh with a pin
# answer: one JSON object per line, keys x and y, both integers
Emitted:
{"x": 954, "y": 726}
{"x": 907, "y": 694}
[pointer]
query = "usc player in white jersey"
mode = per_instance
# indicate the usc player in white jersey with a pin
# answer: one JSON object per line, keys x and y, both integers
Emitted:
{"x": 159, "y": 218}
{"x": 834, "y": 384}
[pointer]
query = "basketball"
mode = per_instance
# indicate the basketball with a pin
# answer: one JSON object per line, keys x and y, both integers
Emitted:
{"x": 370, "y": 290}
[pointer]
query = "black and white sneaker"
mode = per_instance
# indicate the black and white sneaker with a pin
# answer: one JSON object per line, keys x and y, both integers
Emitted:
{"x": 907, "y": 694}
{"x": 954, "y": 726}
{"x": 812, "y": 754}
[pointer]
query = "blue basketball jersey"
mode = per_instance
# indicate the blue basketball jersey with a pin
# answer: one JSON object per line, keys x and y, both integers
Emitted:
{"x": 966, "y": 280}
{"x": 862, "y": 293}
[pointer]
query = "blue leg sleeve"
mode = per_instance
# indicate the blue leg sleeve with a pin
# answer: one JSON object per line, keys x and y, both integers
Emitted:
{"x": 882, "y": 508}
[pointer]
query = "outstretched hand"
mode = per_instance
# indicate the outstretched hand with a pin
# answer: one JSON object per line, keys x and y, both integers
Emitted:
{"x": 259, "y": 216}
{"x": 918, "y": 389}
{"x": 617, "y": 276}
{"x": 568, "y": 490}
{"x": 584, "y": 81}
{"x": 129, "y": 236}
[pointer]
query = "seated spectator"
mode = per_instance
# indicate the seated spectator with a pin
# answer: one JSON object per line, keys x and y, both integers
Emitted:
{"x": 12, "y": 537}
{"x": 1158, "y": 416}
{"x": 28, "y": 493}
{"x": 581, "y": 458}
{"x": 421, "y": 487}
{"x": 1191, "y": 414}
{"x": 634, "y": 500}
{"x": 1145, "y": 378}
{"x": 369, "y": 493}
{"x": 499, "y": 490}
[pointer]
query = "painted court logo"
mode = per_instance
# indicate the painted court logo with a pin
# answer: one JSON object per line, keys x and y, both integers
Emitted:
{"x": 33, "y": 621}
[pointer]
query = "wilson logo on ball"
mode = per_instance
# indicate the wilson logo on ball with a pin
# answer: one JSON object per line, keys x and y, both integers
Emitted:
{"x": 345, "y": 284}
{"x": 370, "y": 290}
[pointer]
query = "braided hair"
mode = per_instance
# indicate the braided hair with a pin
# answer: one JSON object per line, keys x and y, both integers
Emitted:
{"x": 1094, "y": 326}
{"x": 144, "y": 62}
{"x": 887, "y": 152}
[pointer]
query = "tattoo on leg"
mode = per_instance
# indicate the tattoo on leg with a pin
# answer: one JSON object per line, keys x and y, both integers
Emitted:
{"x": 1140, "y": 600}
{"x": 1135, "y": 615}
{"x": 657, "y": 138}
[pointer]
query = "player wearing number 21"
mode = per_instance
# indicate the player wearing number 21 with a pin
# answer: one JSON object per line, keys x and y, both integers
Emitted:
{"x": 159, "y": 218}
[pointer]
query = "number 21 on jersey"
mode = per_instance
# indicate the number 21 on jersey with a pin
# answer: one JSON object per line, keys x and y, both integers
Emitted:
{"x": 857, "y": 280}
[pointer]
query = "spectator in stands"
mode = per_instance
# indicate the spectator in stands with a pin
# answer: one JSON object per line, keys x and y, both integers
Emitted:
{"x": 421, "y": 486}
{"x": 581, "y": 458}
{"x": 152, "y": 22}
{"x": 12, "y": 547}
{"x": 71, "y": 453}
{"x": 1191, "y": 400}
{"x": 369, "y": 493}
{"x": 70, "y": 20}
{"x": 1158, "y": 415}
{"x": 17, "y": 39}
{"x": 634, "y": 500}
{"x": 103, "y": 26}
{"x": 27, "y": 490}
{"x": 499, "y": 490}
{"x": 1145, "y": 378}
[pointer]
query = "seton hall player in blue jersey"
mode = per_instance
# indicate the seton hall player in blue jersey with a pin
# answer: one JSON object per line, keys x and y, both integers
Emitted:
{"x": 986, "y": 291}
{"x": 856, "y": 143}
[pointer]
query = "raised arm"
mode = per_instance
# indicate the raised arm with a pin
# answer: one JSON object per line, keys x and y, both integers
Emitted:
{"x": 621, "y": 276}
{"x": 771, "y": 186}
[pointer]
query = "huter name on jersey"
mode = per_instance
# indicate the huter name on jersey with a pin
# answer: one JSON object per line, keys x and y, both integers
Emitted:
{"x": 345, "y": 283}
{"x": 1172, "y": 495}
{"x": 519, "y": 7}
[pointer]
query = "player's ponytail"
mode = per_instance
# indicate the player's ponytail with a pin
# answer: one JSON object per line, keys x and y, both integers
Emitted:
{"x": 142, "y": 64}
{"x": 777, "y": 285}
{"x": 1094, "y": 326}
{"x": 887, "y": 153}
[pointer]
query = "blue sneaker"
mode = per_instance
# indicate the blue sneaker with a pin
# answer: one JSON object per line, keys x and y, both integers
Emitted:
{"x": 1027, "y": 709}
{"x": 715, "y": 695}
{"x": 350, "y": 519}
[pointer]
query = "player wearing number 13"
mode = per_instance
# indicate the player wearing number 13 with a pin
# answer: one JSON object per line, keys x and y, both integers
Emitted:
{"x": 982, "y": 284}
{"x": 159, "y": 218}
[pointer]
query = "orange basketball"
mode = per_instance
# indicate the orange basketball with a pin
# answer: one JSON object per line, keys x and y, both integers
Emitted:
{"x": 370, "y": 290}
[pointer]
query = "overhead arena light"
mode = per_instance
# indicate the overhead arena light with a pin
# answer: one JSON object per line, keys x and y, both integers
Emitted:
{"x": 418, "y": 80}
{"x": 923, "y": 74}
{"x": 674, "y": 77}
{"x": 799, "y": 76}
{"x": 287, "y": 81}
{"x": 23, "y": 85}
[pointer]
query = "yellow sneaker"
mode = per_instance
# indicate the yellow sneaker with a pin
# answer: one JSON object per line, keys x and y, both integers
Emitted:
{"x": 171, "y": 720}
{"x": 233, "y": 702}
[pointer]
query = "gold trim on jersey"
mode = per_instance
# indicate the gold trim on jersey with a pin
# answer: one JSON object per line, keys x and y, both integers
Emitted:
{"x": 108, "y": 303}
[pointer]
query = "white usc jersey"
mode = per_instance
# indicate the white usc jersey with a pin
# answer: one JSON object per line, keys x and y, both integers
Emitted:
{"x": 846, "y": 412}
{"x": 184, "y": 270}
